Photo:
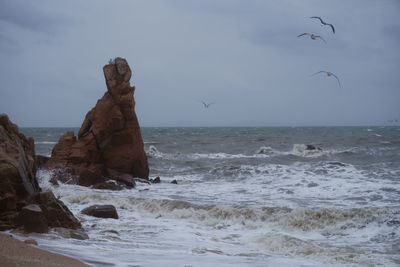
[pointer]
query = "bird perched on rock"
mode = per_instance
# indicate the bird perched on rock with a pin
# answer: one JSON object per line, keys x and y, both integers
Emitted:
{"x": 324, "y": 23}
{"x": 328, "y": 74}
{"x": 312, "y": 36}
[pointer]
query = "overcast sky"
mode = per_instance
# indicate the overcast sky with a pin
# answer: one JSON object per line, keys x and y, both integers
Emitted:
{"x": 243, "y": 55}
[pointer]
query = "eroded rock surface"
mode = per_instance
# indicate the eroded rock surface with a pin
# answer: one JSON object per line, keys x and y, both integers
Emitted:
{"x": 109, "y": 144}
{"x": 22, "y": 202}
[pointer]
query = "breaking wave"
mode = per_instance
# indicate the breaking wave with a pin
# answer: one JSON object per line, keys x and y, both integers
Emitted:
{"x": 304, "y": 219}
{"x": 153, "y": 152}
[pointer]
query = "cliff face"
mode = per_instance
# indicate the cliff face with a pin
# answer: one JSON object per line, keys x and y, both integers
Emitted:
{"x": 17, "y": 164}
{"x": 19, "y": 189}
{"x": 109, "y": 143}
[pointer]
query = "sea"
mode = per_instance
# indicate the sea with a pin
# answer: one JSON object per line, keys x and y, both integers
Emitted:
{"x": 245, "y": 196}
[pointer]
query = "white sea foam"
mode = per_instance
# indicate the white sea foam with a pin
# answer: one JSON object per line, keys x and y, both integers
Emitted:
{"x": 300, "y": 150}
{"x": 153, "y": 152}
{"x": 45, "y": 143}
{"x": 236, "y": 205}
{"x": 265, "y": 150}
{"x": 222, "y": 156}
{"x": 197, "y": 217}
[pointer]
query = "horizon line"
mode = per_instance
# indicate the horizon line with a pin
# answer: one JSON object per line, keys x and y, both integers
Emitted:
{"x": 237, "y": 126}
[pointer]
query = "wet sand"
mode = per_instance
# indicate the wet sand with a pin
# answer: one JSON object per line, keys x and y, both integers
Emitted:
{"x": 15, "y": 253}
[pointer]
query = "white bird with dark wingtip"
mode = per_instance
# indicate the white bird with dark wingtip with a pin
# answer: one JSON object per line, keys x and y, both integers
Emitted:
{"x": 312, "y": 36}
{"x": 324, "y": 23}
{"x": 328, "y": 74}
{"x": 207, "y": 105}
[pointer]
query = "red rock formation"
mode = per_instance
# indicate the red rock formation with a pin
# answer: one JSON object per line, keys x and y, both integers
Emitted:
{"x": 19, "y": 186}
{"x": 109, "y": 143}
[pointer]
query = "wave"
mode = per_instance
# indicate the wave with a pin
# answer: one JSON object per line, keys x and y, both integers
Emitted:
{"x": 265, "y": 150}
{"x": 222, "y": 156}
{"x": 153, "y": 152}
{"x": 45, "y": 143}
{"x": 300, "y": 150}
{"x": 321, "y": 251}
{"x": 304, "y": 219}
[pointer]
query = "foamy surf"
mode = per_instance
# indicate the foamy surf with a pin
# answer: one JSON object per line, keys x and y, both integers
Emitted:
{"x": 316, "y": 236}
{"x": 248, "y": 197}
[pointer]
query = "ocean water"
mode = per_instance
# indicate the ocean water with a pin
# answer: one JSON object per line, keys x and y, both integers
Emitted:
{"x": 245, "y": 197}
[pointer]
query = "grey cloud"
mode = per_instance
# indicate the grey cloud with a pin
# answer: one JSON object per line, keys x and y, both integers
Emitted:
{"x": 392, "y": 33}
{"x": 30, "y": 15}
{"x": 243, "y": 55}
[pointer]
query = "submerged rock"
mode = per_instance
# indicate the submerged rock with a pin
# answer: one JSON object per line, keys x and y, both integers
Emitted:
{"x": 109, "y": 140}
{"x": 101, "y": 211}
{"x": 312, "y": 147}
{"x": 156, "y": 180}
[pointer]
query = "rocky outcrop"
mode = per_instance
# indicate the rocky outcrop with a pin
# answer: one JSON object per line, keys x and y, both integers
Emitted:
{"x": 22, "y": 202}
{"x": 101, "y": 211}
{"x": 109, "y": 144}
{"x": 32, "y": 219}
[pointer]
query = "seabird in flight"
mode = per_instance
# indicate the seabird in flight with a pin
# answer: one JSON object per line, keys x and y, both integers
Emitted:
{"x": 207, "y": 105}
{"x": 324, "y": 23}
{"x": 312, "y": 36}
{"x": 328, "y": 73}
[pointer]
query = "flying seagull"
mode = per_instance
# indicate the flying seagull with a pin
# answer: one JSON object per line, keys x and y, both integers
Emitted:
{"x": 207, "y": 105}
{"x": 312, "y": 36}
{"x": 328, "y": 73}
{"x": 324, "y": 23}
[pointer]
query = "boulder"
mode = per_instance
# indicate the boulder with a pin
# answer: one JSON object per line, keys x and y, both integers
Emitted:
{"x": 57, "y": 214}
{"x": 19, "y": 186}
{"x": 101, "y": 211}
{"x": 108, "y": 186}
{"x": 109, "y": 140}
{"x": 33, "y": 219}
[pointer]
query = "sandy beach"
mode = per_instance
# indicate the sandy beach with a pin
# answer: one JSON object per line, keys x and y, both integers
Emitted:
{"x": 14, "y": 253}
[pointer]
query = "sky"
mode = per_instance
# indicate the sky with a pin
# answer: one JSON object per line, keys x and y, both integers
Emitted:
{"x": 242, "y": 55}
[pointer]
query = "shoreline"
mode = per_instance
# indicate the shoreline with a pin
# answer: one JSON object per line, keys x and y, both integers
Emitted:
{"x": 14, "y": 252}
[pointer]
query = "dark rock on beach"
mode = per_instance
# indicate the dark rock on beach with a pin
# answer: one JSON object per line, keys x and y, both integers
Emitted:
{"x": 33, "y": 219}
{"x": 101, "y": 211}
{"x": 19, "y": 188}
{"x": 109, "y": 140}
{"x": 57, "y": 214}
